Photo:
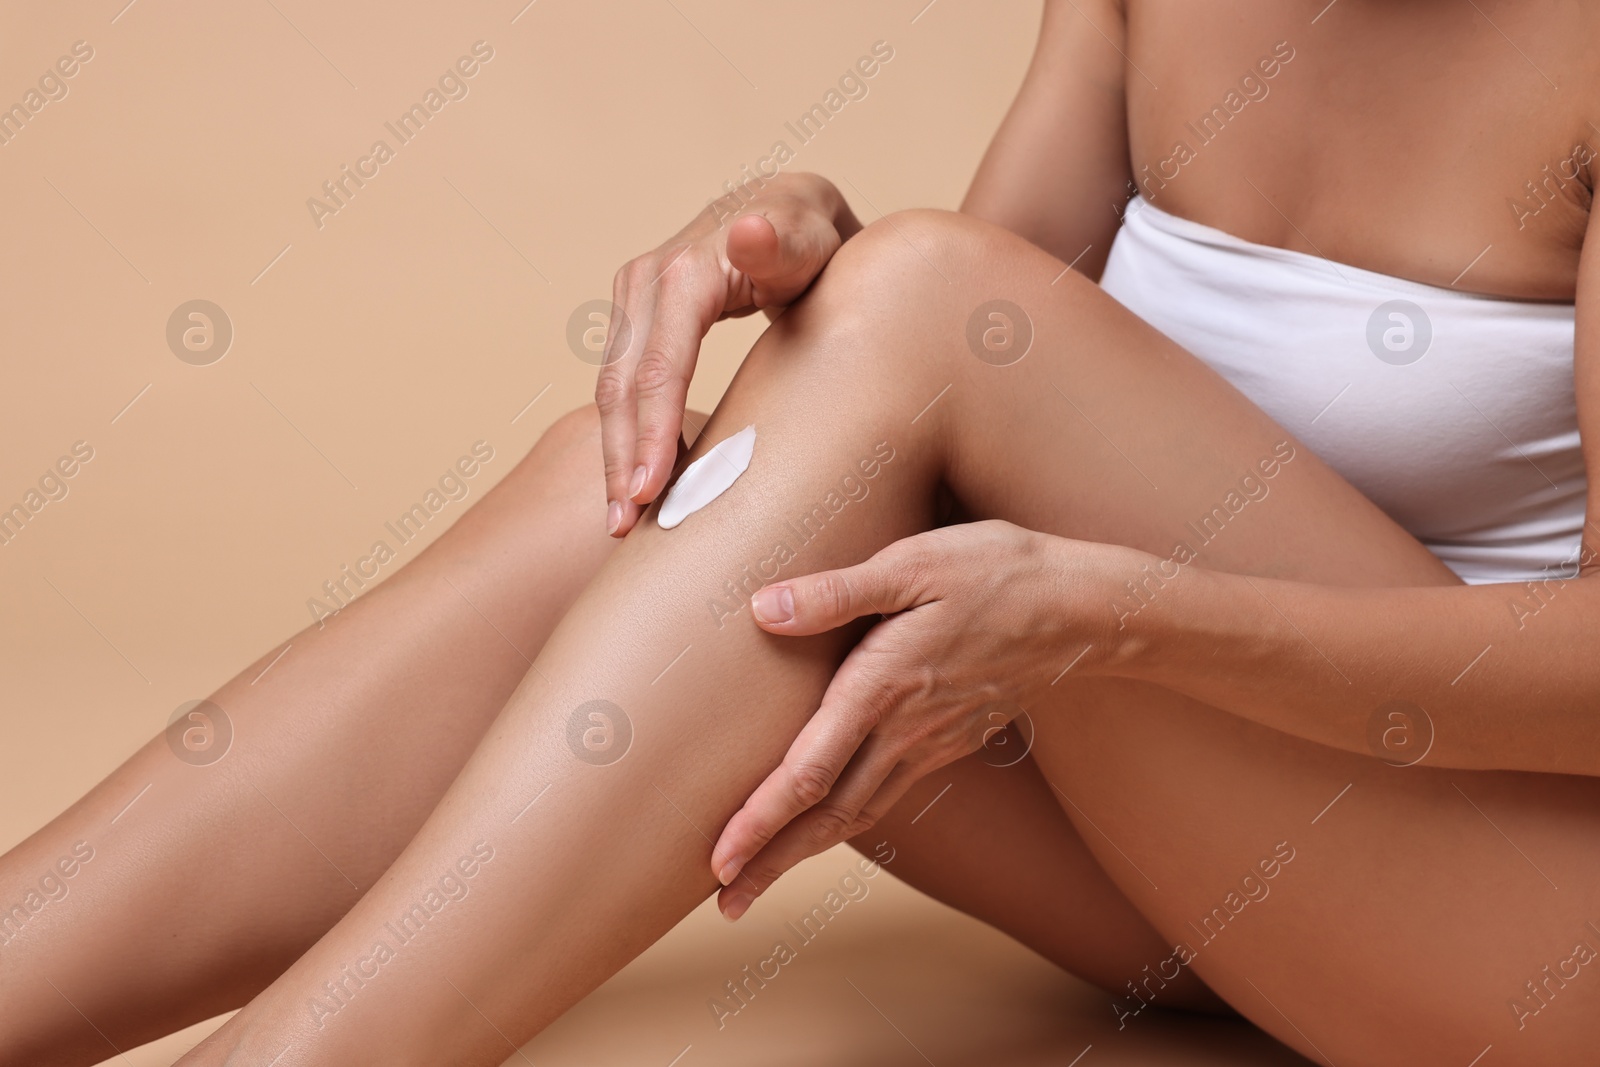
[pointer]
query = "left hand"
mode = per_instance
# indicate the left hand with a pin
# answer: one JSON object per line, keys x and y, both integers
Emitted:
{"x": 974, "y": 615}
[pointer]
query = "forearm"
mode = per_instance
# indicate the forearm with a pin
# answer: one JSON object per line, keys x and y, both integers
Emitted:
{"x": 1504, "y": 675}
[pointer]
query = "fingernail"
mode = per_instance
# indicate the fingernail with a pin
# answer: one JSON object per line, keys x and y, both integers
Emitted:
{"x": 774, "y": 604}
{"x": 730, "y": 871}
{"x": 639, "y": 475}
{"x": 737, "y": 904}
{"x": 614, "y": 516}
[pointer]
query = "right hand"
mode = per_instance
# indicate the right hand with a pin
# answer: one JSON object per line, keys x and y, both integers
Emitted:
{"x": 722, "y": 265}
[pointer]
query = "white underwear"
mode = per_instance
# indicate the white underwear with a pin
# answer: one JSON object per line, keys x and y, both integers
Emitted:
{"x": 1454, "y": 413}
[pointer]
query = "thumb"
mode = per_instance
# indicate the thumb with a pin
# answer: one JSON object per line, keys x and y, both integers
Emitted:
{"x": 781, "y": 253}
{"x": 826, "y": 600}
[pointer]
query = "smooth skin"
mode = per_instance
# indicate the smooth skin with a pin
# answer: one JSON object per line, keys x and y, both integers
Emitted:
{"x": 1181, "y": 757}
{"x": 1359, "y": 950}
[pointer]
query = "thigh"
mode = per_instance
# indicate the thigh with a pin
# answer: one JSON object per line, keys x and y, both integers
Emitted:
{"x": 987, "y": 836}
{"x": 1356, "y": 910}
{"x": 1407, "y": 907}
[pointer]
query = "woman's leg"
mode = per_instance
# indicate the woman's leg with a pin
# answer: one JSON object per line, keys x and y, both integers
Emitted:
{"x": 416, "y": 651}
{"x": 207, "y": 881}
{"x": 498, "y": 916}
{"x": 993, "y": 841}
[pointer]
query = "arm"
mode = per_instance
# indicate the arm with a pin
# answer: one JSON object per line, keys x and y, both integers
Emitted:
{"x": 1531, "y": 702}
{"x": 977, "y": 619}
{"x": 1057, "y": 171}
{"x": 1502, "y": 687}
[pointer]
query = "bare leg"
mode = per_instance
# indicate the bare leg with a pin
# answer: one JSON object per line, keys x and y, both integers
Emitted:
{"x": 268, "y": 893}
{"x": 994, "y": 843}
{"x": 217, "y": 877}
{"x": 435, "y": 965}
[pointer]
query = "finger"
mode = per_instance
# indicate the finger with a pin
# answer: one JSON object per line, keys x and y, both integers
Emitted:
{"x": 872, "y": 790}
{"x": 781, "y": 251}
{"x": 614, "y": 396}
{"x": 891, "y": 581}
{"x": 852, "y": 706}
{"x": 684, "y": 312}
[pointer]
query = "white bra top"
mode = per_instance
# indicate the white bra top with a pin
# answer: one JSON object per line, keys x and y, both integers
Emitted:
{"x": 1455, "y": 413}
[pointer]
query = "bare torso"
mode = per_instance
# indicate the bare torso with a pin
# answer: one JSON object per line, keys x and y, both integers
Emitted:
{"x": 1418, "y": 139}
{"x": 1442, "y": 141}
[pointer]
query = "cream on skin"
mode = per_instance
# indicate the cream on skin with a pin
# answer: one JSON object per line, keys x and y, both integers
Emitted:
{"x": 707, "y": 477}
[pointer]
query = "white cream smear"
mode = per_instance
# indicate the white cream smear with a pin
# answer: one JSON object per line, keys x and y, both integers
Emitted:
{"x": 707, "y": 477}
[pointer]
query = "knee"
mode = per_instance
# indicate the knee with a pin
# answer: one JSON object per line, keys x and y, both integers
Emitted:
{"x": 577, "y": 429}
{"x": 928, "y": 270}
{"x": 932, "y": 249}
{"x": 915, "y": 249}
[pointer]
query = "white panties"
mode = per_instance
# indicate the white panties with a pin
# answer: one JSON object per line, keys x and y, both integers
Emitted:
{"x": 1453, "y": 412}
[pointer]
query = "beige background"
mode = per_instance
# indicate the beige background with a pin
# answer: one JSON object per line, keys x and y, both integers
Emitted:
{"x": 367, "y": 354}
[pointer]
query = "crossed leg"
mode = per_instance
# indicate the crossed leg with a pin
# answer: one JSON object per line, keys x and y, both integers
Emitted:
{"x": 1340, "y": 961}
{"x": 221, "y": 876}
{"x": 611, "y": 855}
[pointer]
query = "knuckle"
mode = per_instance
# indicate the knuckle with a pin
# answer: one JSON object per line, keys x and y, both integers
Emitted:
{"x": 864, "y": 821}
{"x": 879, "y": 696}
{"x": 611, "y": 390}
{"x": 656, "y": 371}
{"x": 640, "y": 271}
{"x": 831, "y": 594}
{"x": 909, "y": 568}
{"x": 829, "y": 825}
{"x": 811, "y": 783}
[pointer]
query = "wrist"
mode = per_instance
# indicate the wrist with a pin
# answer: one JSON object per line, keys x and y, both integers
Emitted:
{"x": 1156, "y": 611}
{"x": 1089, "y": 614}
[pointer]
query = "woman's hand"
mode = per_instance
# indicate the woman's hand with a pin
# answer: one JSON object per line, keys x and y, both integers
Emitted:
{"x": 733, "y": 259}
{"x": 979, "y": 620}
